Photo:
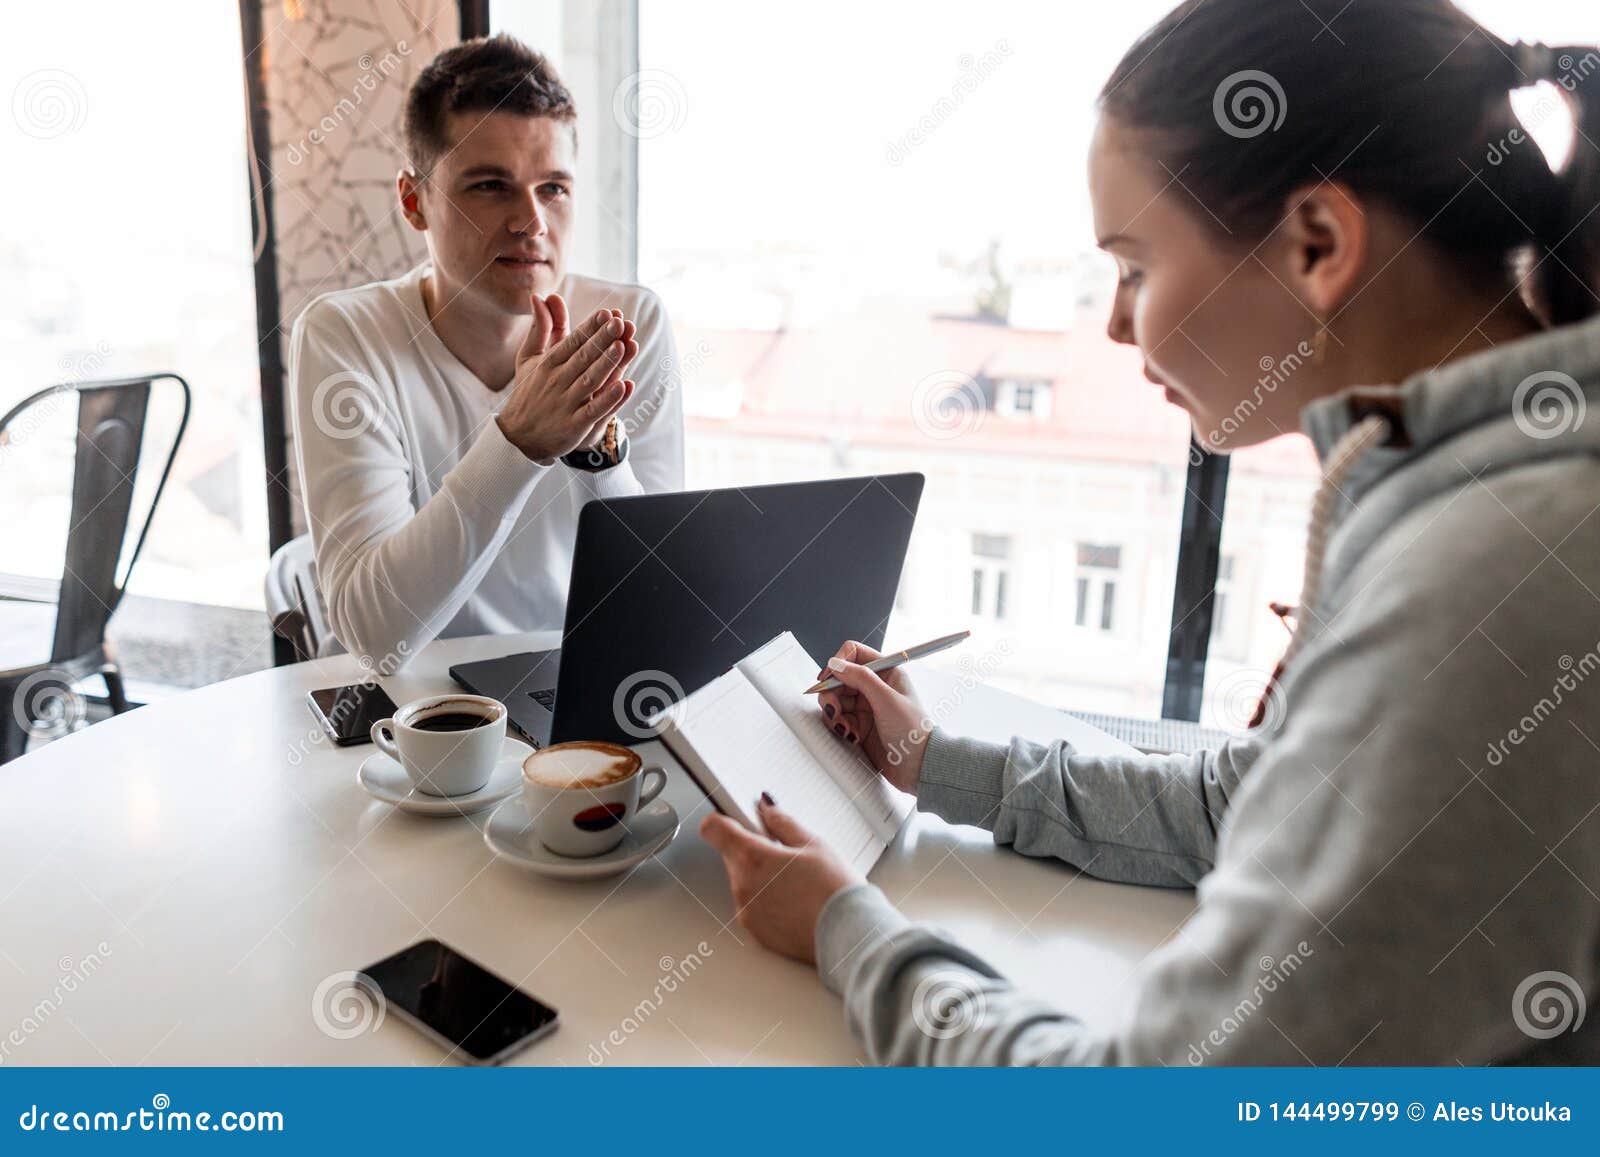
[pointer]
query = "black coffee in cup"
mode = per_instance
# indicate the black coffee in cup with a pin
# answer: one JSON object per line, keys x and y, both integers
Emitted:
{"x": 451, "y": 721}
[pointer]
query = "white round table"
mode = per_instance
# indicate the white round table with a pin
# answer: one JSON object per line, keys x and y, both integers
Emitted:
{"x": 178, "y": 884}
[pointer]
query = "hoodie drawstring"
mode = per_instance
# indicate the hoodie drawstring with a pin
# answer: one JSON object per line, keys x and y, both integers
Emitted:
{"x": 1346, "y": 452}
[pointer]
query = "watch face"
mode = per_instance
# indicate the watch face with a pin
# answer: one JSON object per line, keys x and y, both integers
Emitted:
{"x": 613, "y": 448}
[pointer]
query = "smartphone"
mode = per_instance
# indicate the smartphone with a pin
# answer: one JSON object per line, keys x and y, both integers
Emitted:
{"x": 460, "y": 1004}
{"x": 348, "y": 713}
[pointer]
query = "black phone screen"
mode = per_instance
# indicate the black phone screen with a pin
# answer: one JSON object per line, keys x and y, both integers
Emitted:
{"x": 348, "y": 713}
{"x": 458, "y": 999}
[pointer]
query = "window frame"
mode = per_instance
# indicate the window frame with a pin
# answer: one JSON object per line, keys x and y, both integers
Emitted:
{"x": 1195, "y": 583}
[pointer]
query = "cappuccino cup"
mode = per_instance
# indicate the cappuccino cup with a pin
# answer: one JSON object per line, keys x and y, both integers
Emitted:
{"x": 448, "y": 744}
{"x": 581, "y": 796}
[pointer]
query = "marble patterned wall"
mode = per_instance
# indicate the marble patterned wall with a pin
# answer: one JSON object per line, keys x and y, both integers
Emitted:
{"x": 336, "y": 74}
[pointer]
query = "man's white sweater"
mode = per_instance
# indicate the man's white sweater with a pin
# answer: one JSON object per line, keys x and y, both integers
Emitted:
{"x": 426, "y": 521}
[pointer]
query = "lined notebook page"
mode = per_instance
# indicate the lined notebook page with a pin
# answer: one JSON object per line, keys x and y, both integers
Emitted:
{"x": 781, "y": 671}
{"x": 745, "y": 744}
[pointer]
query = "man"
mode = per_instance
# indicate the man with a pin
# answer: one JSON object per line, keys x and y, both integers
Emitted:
{"x": 451, "y": 423}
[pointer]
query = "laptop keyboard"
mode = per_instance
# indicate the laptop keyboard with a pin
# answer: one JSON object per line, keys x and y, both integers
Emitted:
{"x": 545, "y": 697}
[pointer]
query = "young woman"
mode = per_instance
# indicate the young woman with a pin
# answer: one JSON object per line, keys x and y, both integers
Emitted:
{"x": 1417, "y": 819}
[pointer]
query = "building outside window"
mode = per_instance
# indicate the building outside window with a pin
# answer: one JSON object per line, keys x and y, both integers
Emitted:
{"x": 991, "y": 574}
{"x": 1096, "y": 586}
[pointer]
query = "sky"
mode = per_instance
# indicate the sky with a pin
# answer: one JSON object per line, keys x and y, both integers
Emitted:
{"x": 797, "y": 129}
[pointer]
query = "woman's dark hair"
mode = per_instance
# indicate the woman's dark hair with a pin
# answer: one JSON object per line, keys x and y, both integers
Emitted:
{"x": 1404, "y": 101}
{"x": 496, "y": 73}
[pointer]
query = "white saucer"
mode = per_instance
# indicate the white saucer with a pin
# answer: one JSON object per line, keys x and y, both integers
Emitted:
{"x": 509, "y": 834}
{"x": 385, "y": 779}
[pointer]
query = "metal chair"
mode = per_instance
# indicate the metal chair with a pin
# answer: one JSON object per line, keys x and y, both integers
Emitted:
{"x": 36, "y": 688}
{"x": 294, "y": 604}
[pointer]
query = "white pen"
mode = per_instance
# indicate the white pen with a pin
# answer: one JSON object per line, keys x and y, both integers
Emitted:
{"x": 885, "y": 662}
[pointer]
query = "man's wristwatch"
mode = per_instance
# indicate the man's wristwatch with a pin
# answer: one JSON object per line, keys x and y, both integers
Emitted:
{"x": 612, "y": 449}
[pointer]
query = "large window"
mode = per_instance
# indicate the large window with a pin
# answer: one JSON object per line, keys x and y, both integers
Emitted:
{"x": 873, "y": 237}
{"x": 124, "y": 249}
{"x": 872, "y": 232}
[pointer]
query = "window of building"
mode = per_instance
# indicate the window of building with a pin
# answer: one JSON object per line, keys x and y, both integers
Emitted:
{"x": 1023, "y": 399}
{"x": 1096, "y": 586}
{"x": 1222, "y": 597}
{"x": 991, "y": 566}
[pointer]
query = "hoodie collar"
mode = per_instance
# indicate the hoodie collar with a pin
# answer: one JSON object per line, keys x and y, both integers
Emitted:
{"x": 1547, "y": 380}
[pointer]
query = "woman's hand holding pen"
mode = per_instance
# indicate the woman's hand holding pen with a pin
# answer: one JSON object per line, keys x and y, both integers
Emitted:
{"x": 879, "y": 713}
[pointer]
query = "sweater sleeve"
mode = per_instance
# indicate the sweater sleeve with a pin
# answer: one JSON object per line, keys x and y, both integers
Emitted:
{"x": 392, "y": 575}
{"x": 1397, "y": 879}
{"x": 1135, "y": 819}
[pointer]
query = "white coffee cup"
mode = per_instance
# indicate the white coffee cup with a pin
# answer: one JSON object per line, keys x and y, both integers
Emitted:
{"x": 582, "y": 795}
{"x": 440, "y": 753}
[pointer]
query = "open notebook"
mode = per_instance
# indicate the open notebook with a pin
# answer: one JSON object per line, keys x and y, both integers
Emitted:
{"x": 754, "y": 730}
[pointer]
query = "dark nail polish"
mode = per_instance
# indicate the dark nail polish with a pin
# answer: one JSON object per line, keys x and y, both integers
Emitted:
{"x": 766, "y": 798}
{"x": 838, "y": 729}
{"x": 827, "y": 709}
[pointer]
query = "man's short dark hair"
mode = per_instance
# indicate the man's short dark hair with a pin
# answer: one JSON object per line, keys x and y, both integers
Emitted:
{"x": 495, "y": 73}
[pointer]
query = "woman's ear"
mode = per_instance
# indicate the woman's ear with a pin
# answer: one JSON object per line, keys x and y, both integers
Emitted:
{"x": 1326, "y": 239}
{"x": 408, "y": 187}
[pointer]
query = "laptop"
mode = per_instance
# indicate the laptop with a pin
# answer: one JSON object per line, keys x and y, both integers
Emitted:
{"x": 668, "y": 591}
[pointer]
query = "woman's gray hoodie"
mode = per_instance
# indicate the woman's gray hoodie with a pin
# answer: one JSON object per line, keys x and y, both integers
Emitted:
{"x": 1417, "y": 823}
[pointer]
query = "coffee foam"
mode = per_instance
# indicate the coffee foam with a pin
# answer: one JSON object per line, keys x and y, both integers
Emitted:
{"x": 411, "y": 715}
{"x": 580, "y": 765}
